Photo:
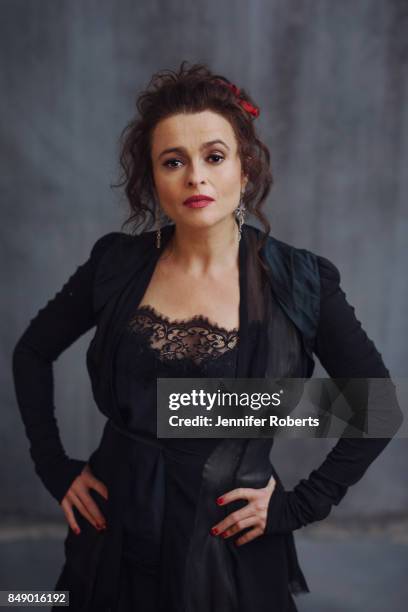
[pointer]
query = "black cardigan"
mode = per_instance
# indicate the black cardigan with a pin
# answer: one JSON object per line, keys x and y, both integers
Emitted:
{"x": 100, "y": 293}
{"x": 341, "y": 344}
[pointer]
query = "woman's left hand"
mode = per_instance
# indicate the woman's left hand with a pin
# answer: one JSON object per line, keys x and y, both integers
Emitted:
{"x": 254, "y": 514}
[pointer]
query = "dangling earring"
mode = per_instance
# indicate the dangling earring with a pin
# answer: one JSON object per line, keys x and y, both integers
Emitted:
{"x": 161, "y": 218}
{"x": 158, "y": 238}
{"x": 240, "y": 215}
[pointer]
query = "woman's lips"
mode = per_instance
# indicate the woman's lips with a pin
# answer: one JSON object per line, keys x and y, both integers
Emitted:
{"x": 198, "y": 200}
{"x": 198, "y": 203}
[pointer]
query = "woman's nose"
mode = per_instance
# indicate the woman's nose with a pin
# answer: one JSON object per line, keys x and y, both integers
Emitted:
{"x": 195, "y": 174}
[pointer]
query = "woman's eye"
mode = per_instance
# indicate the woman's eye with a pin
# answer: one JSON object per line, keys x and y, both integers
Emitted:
{"x": 169, "y": 163}
{"x": 216, "y": 155}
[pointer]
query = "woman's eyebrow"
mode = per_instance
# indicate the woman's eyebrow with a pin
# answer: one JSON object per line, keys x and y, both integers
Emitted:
{"x": 203, "y": 146}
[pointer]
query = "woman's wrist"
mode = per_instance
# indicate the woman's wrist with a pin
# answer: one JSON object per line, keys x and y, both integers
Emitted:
{"x": 59, "y": 478}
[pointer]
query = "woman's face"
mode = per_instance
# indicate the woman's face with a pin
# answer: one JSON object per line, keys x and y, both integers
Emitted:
{"x": 196, "y": 154}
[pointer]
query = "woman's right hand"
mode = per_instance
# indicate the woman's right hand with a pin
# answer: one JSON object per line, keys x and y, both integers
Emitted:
{"x": 78, "y": 496}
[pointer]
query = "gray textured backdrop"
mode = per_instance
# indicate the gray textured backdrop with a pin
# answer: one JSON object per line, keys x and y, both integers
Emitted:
{"x": 330, "y": 79}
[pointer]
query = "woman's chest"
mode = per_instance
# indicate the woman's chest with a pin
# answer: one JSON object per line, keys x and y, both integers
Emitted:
{"x": 181, "y": 296}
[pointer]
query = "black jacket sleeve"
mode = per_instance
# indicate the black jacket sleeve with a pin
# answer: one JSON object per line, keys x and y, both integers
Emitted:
{"x": 345, "y": 351}
{"x": 65, "y": 317}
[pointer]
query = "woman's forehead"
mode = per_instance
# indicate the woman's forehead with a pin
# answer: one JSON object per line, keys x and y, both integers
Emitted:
{"x": 192, "y": 130}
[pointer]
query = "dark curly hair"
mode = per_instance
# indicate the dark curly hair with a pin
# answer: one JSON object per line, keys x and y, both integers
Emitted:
{"x": 189, "y": 90}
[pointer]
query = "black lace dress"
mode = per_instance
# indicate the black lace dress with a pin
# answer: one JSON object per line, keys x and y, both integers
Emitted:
{"x": 159, "y": 516}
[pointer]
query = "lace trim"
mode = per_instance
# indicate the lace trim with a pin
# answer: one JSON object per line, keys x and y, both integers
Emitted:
{"x": 154, "y": 313}
{"x": 196, "y": 338}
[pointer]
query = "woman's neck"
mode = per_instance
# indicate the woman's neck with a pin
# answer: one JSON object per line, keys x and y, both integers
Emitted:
{"x": 204, "y": 251}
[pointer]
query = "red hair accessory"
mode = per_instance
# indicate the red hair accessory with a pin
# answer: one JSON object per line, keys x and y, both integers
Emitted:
{"x": 254, "y": 110}
{"x": 250, "y": 108}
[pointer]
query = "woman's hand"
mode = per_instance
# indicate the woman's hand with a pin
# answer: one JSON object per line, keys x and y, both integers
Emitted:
{"x": 254, "y": 514}
{"x": 78, "y": 496}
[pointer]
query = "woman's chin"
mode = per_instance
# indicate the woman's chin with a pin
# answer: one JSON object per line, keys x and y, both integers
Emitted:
{"x": 201, "y": 219}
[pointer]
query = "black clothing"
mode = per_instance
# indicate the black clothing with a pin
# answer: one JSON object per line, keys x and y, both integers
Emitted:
{"x": 155, "y": 347}
{"x": 301, "y": 310}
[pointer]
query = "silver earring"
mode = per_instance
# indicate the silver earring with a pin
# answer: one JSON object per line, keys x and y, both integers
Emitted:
{"x": 162, "y": 218}
{"x": 240, "y": 212}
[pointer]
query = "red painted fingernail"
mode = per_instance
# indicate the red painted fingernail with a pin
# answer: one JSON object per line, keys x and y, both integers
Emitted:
{"x": 220, "y": 500}
{"x": 225, "y": 534}
{"x": 214, "y": 531}
{"x": 77, "y": 531}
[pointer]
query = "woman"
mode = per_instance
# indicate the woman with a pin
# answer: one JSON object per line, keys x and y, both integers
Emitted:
{"x": 195, "y": 525}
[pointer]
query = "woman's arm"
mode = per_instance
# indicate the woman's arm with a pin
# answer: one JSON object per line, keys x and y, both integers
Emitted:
{"x": 345, "y": 351}
{"x": 65, "y": 317}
